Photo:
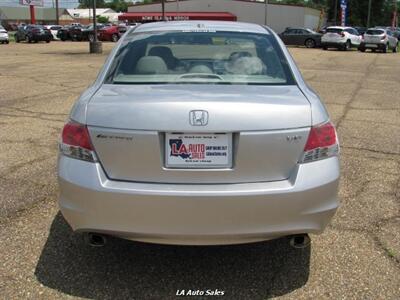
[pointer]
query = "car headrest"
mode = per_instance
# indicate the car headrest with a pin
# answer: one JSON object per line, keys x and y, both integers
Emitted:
{"x": 200, "y": 69}
{"x": 151, "y": 65}
{"x": 247, "y": 66}
{"x": 165, "y": 53}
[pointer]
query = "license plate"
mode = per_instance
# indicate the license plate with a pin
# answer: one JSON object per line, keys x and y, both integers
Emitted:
{"x": 371, "y": 45}
{"x": 198, "y": 150}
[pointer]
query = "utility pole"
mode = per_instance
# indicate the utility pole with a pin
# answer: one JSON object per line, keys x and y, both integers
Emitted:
{"x": 57, "y": 16}
{"x": 163, "y": 9}
{"x": 335, "y": 11}
{"x": 369, "y": 13}
{"x": 266, "y": 11}
{"x": 95, "y": 46}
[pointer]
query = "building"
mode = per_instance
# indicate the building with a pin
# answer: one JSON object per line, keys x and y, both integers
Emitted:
{"x": 17, "y": 15}
{"x": 85, "y": 15}
{"x": 277, "y": 16}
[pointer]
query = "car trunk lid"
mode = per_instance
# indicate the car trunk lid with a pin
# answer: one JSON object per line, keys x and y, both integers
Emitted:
{"x": 266, "y": 128}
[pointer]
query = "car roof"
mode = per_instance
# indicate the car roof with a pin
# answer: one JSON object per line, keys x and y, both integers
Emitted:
{"x": 338, "y": 27}
{"x": 201, "y": 25}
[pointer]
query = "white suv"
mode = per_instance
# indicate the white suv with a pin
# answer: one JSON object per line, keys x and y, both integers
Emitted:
{"x": 3, "y": 36}
{"x": 343, "y": 38}
{"x": 379, "y": 39}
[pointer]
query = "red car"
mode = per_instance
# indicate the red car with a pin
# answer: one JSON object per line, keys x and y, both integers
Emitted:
{"x": 109, "y": 33}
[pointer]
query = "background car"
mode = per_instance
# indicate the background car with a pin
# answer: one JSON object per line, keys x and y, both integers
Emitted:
{"x": 378, "y": 39}
{"x": 109, "y": 33}
{"x": 33, "y": 33}
{"x": 343, "y": 38}
{"x": 301, "y": 37}
{"x": 70, "y": 32}
{"x": 54, "y": 30}
{"x": 360, "y": 30}
{"x": 4, "y": 39}
{"x": 88, "y": 32}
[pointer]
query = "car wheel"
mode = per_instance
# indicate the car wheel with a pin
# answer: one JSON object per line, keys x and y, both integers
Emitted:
{"x": 386, "y": 49}
{"x": 115, "y": 37}
{"x": 310, "y": 43}
{"x": 347, "y": 46}
{"x": 324, "y": 48}
{"x": 47, "y": 41}
{"x": 16, "y": 38}
{"x": 28, "y": 39}
{"x": 7, "y": 42}
{"x": 361, "y": 49}
{"x": 91, "y": 38}
{"x": 395, "y": 48}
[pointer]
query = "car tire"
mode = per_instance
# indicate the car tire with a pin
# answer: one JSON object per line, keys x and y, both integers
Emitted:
{"x": 7, "y": 42}
{"x": 347, "y": 45}
{"x": 309, "y": 43}
{"x": 324, "y": 48}
{"x": 114, "y": 37}
{"x": 28, "y": 39}
{"x": 361, "y": 49}
{"x": 48, "y": 41}
{"x": 395, "y": 48}
{"x": 16, "y": 38}
{"x": 386, "y": 49}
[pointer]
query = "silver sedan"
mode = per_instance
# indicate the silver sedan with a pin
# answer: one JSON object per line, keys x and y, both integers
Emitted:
{"x": 199, "y": 133}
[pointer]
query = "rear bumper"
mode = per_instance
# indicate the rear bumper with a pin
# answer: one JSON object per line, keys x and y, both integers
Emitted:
{"x": 198, "y": 214}
{"x": 378, "y": 46}
{"x": 41, "y": 37}
{"x": 333, "y": 44}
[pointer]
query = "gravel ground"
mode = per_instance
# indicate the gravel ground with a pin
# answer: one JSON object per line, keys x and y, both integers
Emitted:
{"x": 358, "y": 257}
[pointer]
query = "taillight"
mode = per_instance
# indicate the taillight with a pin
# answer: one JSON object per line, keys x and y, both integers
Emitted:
{"x": 321, "y": 143}
{"x": 384, "y": 37}
{"x": 76, "y": 142}
{"x": 342, "y": 34}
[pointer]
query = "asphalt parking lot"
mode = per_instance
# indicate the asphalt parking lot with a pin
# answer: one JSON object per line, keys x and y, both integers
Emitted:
{"x": 358, "y": 257}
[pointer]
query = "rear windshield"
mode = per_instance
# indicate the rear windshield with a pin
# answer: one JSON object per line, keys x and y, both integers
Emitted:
{"x": 334, "y": 30}
{"x": 375, "y": 32}
{"x": 200, "y": 57}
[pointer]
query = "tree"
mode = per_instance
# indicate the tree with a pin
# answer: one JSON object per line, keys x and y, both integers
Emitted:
{"x": 102, "y": 19}
{"x": 89, "y": 3}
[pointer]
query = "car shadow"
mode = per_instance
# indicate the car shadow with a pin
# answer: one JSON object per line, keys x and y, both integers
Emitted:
{"x": 131, "y": 270}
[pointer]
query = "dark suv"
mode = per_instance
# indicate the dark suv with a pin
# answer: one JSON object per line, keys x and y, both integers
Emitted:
{"x": 33, "y": 33}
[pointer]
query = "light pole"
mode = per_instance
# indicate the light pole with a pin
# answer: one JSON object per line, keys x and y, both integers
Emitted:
{"x": 369, "y": 13}
{"x": 335, "y": 11}
{"x": 266, "y": 11}
{"x": 95, "y": 45}
{"x": 57, "y": 16}
{"x": 163, "y": 9}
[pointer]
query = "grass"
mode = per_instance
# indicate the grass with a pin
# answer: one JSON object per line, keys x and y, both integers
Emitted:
{"x": 11, "y": 36}
{"x": 390, "y": 252}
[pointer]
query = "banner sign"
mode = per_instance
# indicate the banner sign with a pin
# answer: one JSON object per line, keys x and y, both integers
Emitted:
{"x": 31, "y": 2}
{"x": 343, "y": 12}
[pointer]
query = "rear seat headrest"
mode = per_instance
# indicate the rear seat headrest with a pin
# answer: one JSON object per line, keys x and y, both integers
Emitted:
{"x": 151, "y": 65}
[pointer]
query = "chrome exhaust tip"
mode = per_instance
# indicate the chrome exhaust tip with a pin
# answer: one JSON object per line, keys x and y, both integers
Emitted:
{"x": 299, "y": 241}
{"x": 95, "y": 239}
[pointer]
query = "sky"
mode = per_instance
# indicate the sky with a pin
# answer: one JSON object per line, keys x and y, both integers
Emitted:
{"x": 47, "y": 3}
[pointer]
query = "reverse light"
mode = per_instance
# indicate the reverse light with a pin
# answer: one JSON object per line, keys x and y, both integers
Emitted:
{"x": 76, "y": 142}
{"x": 321, "y": 143}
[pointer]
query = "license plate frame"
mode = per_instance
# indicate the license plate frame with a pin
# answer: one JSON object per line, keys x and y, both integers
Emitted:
{"x": 198, "y": 155}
